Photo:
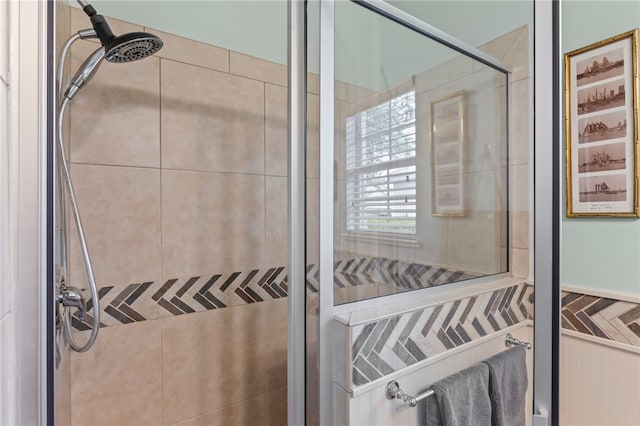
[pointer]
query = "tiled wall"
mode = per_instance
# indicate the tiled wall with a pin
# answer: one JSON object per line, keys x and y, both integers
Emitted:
{"x": 603, "y": 317}
{"x": 179, "y": 164}
{"x": 383, "y": 346}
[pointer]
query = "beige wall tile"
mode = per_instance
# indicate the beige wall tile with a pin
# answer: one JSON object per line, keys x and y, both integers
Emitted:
{"x": 276, "y": 137}
{"x": 276, "y": 222}
{"x": 211, "y": 120}
{"x": 520, "y": 229}
{"x": 519, "y": 187}
{"x": 277, "y": 407}
{"x": 211, "y": 222}
{"x": 115, "y": 118}
{"x": 519, "y": 126}
{"x": 518, "y": 56}
{"x": 244, "y": 413}
{"x": 212, "y": 360}
{"x": 192, "y": 52}
{"x": 257, "y": 69}
{"x": 276, "y": 343}
{"x": 498, "y": 47}
{"x": 119, "y": 381}
{"x": 120, "y": 210}
{"x": 520, "y": 262}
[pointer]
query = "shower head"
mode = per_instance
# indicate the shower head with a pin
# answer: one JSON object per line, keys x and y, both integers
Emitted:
{"x": 124, "y": 48}
{"x": 131, "y": 47}
{"x": 127, "y": 47}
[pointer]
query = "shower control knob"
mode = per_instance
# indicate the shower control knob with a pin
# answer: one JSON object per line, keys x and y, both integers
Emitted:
{"x": 71, "y": 297}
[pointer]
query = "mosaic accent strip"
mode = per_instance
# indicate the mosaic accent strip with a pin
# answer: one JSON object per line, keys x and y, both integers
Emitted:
{"x": 610, "y": 319}
{"x": 154, "y": 299}
{"x": 382, "y": 347}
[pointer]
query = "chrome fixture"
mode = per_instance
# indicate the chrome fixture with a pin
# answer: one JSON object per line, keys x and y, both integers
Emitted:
{"x": 509, "y": 340}
{"x": 394, "y": 391}
{"x": 119, "y": 49}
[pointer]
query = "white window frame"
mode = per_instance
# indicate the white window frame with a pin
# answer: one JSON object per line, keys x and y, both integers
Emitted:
{"x": 357, "y": 167}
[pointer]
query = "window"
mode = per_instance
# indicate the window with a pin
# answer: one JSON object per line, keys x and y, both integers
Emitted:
{"x": 381, "y": 167}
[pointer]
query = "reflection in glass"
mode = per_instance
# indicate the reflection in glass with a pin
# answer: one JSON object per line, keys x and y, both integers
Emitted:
{"x": 421, "y": 157}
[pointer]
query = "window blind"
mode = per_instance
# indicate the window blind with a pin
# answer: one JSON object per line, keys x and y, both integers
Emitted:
{"x": 381, "y": 167}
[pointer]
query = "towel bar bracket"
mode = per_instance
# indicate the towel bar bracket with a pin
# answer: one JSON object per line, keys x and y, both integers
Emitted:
{"x": 394, "y": 392}
{"x": 509, "y": 340}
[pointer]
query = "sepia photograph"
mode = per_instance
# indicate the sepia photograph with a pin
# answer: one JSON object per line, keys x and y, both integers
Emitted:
{"x": 602, "y": 158}
{"x": 600, "y": 67}
{"x": 603, "y": 188}
{"x": 601, "y": 128}
{"x": 603, "y": 96}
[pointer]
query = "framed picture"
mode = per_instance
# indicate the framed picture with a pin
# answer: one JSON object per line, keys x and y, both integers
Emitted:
{"x": 447, "y": 155}
{"x": 601, "y": 125}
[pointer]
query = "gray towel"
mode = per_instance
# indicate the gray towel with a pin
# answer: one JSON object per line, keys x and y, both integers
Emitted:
{"x": 508, "y": 387}
{"x": 461, "y": 399}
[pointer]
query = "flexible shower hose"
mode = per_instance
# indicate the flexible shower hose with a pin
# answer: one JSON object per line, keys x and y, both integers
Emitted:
{"x": 66, "y": 177}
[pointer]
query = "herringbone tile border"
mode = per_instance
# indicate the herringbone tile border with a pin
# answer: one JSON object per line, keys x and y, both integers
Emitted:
{"x": 381, "y": 347}
{"x": 135, "y": 302}
{"x": 602, "y": 317}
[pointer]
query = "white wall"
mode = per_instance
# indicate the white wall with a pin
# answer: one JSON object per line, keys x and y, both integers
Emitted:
{"x": 7, "y": 358}
{"x": 599, "y": 384}
{"x": 258, "y": 28}
{"x": 20, "y": 252}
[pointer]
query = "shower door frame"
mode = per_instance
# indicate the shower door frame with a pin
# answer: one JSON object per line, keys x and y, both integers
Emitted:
{"x": 545, "y": 118}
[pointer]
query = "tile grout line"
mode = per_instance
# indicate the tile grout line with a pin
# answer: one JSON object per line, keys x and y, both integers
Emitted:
{"x": 161, "y": 168}
{"x": 264, "y": 166}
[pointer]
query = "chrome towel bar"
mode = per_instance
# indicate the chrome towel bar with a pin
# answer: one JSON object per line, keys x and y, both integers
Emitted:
{"x": 394, "y": 391}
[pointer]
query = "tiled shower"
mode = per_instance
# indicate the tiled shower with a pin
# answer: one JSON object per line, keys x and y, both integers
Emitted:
{"x": 179, "y": 164}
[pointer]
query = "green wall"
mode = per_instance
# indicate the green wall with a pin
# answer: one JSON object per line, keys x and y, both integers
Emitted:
{"x": 599, "y": 253}
{"x": 259, "y": 28}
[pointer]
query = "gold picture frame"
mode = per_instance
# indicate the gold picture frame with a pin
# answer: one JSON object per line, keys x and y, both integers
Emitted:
{"x": 447, "y": 141}
{"x": 601, "y": 128}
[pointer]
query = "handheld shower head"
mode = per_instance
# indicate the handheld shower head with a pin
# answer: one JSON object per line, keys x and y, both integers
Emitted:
{"x": 85, "y": 72}
{"x": 131, "y": 47}
{"x": 127, "y": 47}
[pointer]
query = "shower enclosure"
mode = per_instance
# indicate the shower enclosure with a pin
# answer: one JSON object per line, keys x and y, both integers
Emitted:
{"x": 280, "y": 230}
{"x": 425, "y": 260}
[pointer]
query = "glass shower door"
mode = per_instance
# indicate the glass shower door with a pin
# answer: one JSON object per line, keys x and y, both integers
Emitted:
{"x": 420, "y": 221}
